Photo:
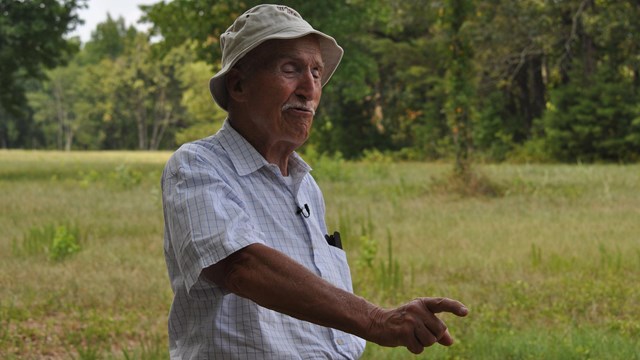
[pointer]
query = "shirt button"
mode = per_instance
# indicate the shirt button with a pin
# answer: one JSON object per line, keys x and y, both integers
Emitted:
{"x": 340, "y": 342}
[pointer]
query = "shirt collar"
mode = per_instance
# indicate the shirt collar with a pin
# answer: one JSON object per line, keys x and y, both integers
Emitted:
{"x": 246, "y": 159}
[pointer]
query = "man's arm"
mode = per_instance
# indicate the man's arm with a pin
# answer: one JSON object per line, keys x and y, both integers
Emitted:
{"x": 275, "y": 281}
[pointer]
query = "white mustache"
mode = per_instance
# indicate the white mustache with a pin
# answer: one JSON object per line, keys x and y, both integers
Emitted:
{"x": 299, "y": 106}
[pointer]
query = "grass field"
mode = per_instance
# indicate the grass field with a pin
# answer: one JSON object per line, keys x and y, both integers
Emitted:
{"x": 550, "y": 269}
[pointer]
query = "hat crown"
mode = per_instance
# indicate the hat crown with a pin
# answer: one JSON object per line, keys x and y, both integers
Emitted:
{"x": 258, "y": 22}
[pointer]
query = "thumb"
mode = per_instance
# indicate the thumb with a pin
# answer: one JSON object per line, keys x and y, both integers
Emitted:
{"x": 446, "y": 339}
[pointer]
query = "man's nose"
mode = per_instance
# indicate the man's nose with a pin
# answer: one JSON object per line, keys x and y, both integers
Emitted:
{"x": 308, "y": 86}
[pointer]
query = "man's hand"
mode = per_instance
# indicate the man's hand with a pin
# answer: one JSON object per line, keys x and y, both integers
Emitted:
{"x": 414, "y": 324}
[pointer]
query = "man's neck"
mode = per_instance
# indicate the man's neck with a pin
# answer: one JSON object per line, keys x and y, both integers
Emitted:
{"x": 277, "y": 153}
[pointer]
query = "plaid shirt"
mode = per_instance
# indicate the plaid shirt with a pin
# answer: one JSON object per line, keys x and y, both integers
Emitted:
{"x": 219, "y": 196}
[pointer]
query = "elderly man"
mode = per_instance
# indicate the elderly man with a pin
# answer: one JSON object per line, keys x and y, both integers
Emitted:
{"x": 253, "y": 272}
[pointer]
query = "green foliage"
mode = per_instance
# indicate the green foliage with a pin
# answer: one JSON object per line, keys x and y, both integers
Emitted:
{"x": 35, "y": 242}
{"x": 64, "y": 243}
{"x": 377, "y": 162}
{"x": 88, "y": 178}
{"x": 536, "y": 255}
{"x": 583, "y": 343}
{"x": 380, "y": 278}
{"x": 31, "y": 40}
{"x": 497, "y": 80}
{"x": 150, "y": 349}
{"x": 117, "y": 94}
{"x": 60, "y": 108}
{"x": 87, "y": 352}
{"x": 202, "y": 21}
{"x": 325, "y": 166}
{"x": 56, "y": 241}
{"x": 608, "y": 260}
{"x": 109, "y": 40}
{"x": 195, "y": 132}
{"x": 390, "y": 275}
{"x": 593, "y": 120}
{"x": 202, "y": 116}
{"x": 368, "y": 252}
{"x": 493, "y": 133}
{"x": 31, "y": 37}
{"x": 532, "y": 151}
{"x": 122, "y": 176}
{"x": 125, "y": 176}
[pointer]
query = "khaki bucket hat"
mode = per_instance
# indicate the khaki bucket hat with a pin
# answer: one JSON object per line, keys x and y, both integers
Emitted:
{"x": 262, "y": 23}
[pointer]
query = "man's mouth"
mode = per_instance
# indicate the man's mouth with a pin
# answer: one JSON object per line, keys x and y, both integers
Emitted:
{"x": 299, "y": 107}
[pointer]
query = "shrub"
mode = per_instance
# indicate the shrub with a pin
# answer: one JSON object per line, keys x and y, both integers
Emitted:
{"x": 56, "y": 241}
{"x": 326, "y": 167}
{"x": 125, "y": 176}
{"x": 64, "y": 243}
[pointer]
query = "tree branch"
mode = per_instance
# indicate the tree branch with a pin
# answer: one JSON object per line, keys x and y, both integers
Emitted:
{"x": 573, "y": 36}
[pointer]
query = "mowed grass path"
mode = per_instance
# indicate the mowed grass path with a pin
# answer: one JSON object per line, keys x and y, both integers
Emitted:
{"x": 550, "y": 269}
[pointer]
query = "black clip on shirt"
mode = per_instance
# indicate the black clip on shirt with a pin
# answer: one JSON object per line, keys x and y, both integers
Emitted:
{"x": 334, "y": 240}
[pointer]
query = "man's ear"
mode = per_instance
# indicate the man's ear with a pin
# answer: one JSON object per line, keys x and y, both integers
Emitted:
{"x": 235, "y": 82}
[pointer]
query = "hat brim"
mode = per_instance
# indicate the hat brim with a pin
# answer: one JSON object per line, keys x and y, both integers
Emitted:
{"x": 330, "y": 51}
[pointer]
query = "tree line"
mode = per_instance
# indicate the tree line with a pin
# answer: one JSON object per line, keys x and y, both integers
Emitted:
{"x": 535, "y": 80}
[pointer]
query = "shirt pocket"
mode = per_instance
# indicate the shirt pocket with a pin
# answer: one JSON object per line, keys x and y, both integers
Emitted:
{"x": 341, "y": 276}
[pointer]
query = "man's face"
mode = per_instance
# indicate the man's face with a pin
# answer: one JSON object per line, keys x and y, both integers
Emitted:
{"x": 283, "y": 90}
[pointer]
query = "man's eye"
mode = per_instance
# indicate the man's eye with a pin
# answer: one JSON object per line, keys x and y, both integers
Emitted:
{"x": 289, "y": 69}
{"x": 316, "y": 73}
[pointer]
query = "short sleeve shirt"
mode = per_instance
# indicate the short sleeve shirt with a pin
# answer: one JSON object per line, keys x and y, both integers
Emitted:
{"x": 219, "y": 196}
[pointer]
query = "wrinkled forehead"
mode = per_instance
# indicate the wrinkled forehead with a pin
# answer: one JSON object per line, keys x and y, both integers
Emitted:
{"x": 306, "y": 47}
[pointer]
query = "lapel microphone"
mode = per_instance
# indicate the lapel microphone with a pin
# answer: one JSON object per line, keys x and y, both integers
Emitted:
{"x": 304, "y": 212}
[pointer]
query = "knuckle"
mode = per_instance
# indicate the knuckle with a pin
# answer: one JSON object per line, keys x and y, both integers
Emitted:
{"x": 432, "y": 340}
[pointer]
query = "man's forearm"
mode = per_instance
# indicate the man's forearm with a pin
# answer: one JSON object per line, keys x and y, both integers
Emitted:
{"x": 275, "y": 281}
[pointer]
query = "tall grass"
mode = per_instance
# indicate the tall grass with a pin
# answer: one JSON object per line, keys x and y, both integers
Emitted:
{"x": 110, "y": 298}
{"x": 549, "y": 269}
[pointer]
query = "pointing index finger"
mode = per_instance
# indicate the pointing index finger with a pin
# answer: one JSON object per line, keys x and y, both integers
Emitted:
{"x": 438, "y": 305}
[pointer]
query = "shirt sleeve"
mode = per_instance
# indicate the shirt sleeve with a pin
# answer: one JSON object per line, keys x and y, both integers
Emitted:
{"x": 206, "y": 218}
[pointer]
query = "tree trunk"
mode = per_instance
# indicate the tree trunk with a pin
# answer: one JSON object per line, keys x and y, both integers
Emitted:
{"x": 158, "y": 130}
{"x": 161, "y": 120}
{"x": 589, "y": 49}
{"x": 588, "y": 46}
{"x": 537, "y": 92}
{"x": 574, "y": 21}
{"x": 68, "y": 140}
{"x": 522, "y": 81}
{"x": 3, "y": 135}
{"x": 141, "y": 122}
{"x": 61, "y": 113}
{"x": 636, "y": 79}
{"x": 459, "y": 82}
